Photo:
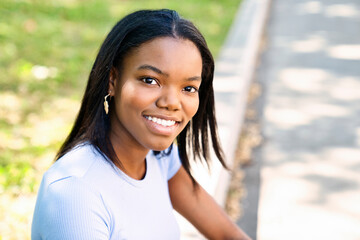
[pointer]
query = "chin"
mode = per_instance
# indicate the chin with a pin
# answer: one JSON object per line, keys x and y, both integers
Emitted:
{"x": 161, "y": 146}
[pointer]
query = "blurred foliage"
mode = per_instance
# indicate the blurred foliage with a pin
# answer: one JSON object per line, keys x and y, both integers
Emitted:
{"x": 47, "y": 48}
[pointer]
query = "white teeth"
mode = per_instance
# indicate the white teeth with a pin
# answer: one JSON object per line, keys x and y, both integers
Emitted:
{"x": 163, "y": 122}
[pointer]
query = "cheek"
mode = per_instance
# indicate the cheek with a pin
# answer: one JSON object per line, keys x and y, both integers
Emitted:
{"x": 133, "y": 98}
{"x": 192, "y": 107}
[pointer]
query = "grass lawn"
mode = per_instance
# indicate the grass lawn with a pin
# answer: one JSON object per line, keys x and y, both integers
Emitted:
{"x": 47, "y": 48}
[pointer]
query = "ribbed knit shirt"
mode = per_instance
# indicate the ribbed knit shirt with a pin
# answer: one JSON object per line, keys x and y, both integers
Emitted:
{"x": 84, "y": 196}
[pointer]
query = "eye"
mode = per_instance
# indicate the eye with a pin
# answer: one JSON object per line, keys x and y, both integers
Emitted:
{"x": 149, "y": 80}
{"x": 190, "y": 89}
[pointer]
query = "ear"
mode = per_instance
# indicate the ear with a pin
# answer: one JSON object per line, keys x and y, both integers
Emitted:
{"x": 112, "y": 81}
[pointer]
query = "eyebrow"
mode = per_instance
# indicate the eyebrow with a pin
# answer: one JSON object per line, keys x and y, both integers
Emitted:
{"x": 155, "y": 69}
{"x": 196, "y": 78}
{"x": 152, "y": 68}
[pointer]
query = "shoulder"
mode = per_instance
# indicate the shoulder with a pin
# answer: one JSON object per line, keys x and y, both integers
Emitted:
{"x": 68, "y": 178}
{"x": 72, "y": 209}
{"x": 169, "y": 161}
{"x": 75, "y": 163}
{"x": 70, "y": 191}
{"x": 69, "y": 198}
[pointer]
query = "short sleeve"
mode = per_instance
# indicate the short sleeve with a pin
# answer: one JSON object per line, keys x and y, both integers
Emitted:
{"x": 174, "y": 162}
{"x": 70, "y": 209}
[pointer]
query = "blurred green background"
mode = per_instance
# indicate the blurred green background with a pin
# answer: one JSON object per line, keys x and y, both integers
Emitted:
{"x": 47, "y": 48}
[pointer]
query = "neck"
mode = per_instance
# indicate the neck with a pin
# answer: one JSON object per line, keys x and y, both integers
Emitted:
{"x": 131, "y": 155}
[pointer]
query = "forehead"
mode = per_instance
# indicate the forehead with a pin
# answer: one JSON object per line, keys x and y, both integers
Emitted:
{"x": 166, "y": 53}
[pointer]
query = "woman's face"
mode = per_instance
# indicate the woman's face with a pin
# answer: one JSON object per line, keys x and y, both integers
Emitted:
{"x": 156, "y": 93}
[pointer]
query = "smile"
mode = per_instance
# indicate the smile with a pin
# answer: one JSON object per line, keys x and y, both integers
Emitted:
{"x": 162, "y": 122}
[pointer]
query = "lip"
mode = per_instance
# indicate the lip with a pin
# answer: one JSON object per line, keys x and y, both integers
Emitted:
{"x": 159, "y": 129}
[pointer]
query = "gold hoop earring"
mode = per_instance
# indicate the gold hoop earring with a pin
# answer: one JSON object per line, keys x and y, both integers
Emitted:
{"x": 106, "y": 104}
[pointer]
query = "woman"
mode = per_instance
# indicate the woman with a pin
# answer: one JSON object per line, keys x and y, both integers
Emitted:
{"x": 118, "y": 175}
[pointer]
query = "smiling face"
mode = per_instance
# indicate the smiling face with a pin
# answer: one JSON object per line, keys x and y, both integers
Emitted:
{"x": 156, "y": 93}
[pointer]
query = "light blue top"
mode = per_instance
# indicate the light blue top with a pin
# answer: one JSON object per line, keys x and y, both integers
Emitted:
{"x": 83, "y": 196}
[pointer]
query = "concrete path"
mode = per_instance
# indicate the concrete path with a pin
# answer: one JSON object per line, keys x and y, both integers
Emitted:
{"x": 310, "y": 159}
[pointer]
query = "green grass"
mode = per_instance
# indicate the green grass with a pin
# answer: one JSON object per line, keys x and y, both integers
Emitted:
{"x": 47, "y": 48}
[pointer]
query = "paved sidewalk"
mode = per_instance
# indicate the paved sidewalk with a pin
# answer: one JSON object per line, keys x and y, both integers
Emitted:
{"x": 310, "y": 158}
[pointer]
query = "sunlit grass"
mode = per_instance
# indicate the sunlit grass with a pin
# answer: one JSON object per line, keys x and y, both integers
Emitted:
{"x": 47, "y": 48}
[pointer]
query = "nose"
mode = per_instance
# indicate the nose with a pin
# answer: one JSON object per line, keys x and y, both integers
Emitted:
{"x": 169, "y": 99}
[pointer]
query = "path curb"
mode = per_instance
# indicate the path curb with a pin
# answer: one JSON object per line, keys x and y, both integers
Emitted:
{"x": 237, "y": 65}
{"x": 234, "y": 72}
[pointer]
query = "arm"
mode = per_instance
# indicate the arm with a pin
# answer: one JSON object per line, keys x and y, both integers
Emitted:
{"x": 201, "y": 209}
